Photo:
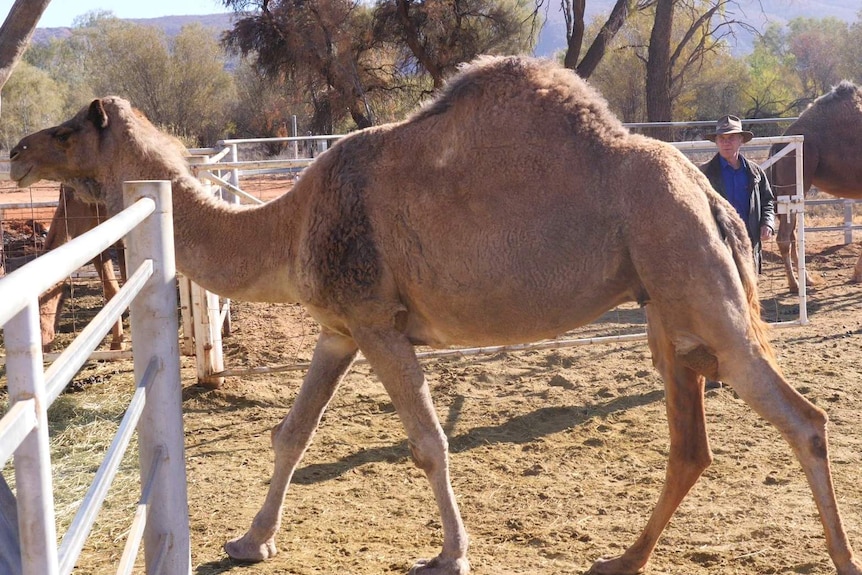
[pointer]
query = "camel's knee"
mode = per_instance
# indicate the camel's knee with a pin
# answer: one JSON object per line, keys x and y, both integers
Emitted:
{"x": 813, "y": 437}
{"x": 429, "y": 452}
{"x": 695, "y": 456}
{"x": 785, "y": 248}
{"x": 291, "y": 437}
{"x": 700, "y": 360}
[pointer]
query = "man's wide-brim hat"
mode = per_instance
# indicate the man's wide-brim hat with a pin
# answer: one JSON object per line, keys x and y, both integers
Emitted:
{"x": 729, "y": 125}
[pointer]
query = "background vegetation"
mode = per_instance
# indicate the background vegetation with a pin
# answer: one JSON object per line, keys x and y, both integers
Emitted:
{"x": 339, "y": 65}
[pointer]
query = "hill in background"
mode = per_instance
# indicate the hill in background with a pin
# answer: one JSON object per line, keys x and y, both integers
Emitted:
{"x": 170, "y": 24}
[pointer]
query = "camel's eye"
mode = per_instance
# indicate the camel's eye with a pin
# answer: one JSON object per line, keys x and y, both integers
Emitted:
{"x": 63, "y": 134}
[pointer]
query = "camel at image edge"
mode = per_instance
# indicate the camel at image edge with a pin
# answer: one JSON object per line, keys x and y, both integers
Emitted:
{"x": 831, "y": 161}
{"x": 457, "y": 226}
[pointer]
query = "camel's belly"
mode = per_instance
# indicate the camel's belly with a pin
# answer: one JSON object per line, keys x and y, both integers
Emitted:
{"x": 483, "y": 322}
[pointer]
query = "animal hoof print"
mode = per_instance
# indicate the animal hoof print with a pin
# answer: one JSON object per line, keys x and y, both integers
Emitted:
{"x": 248, "y": 552}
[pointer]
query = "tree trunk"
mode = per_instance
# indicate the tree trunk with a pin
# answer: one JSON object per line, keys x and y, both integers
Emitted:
{"x": 594, "y": 55}
{"x": 658, "y": 73}
{"x": 411, "y": 36}
{"x": 16, "y": 32}
{"x": 575, "y": 36}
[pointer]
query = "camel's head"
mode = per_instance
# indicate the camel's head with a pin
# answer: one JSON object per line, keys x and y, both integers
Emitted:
{"x": 69, "y": 152}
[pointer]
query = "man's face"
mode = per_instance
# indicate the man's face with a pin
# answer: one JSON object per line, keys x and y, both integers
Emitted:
{"x": 728, "y": 145}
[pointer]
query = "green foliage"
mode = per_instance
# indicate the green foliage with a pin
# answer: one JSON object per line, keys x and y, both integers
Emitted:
{"x": 771, "y": 86}
{"x": 31, "y": 101}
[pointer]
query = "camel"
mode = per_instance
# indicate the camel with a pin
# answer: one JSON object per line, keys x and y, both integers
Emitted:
{"x": 831, "y": 158}
{"x": 512, "y": 207}
{"x": 72, "y": 218}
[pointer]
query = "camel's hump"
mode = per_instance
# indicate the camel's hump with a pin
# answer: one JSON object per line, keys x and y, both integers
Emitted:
{"x": 530, "y": 83}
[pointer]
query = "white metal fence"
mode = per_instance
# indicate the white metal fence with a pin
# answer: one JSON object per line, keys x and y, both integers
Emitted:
{"x": 161, "y": 519}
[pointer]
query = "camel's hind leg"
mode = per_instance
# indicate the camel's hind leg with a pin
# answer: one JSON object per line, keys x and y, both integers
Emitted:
{"x": 786, "y": 240}
{"x": 689, "y": 449}
{"x": 759, "y": 383}
{"x": 290, "y": 438}
{"x": 393, "y": 359}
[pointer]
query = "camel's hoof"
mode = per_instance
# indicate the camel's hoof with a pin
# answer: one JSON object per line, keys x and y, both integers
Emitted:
{"x": 615, "y": 566}
{"x": 243, "y": 549}
{"x": 853, "y": 568}
{"x": 440, "y": 566}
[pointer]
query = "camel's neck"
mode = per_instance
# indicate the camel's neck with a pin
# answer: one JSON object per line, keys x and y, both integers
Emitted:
{"x": 238, "y": 252}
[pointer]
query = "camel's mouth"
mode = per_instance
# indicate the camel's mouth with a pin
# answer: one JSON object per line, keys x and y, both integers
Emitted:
{"x": 23, "y": 180}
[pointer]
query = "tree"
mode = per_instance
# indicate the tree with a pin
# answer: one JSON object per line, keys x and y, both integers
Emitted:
{"x": 851, "y": 52}
{"x": 180, "y": 84}
{"x": 683, "y": 35}
{"x": 264, "y": 106}
{"x": 322, "y": 45}
{"x": 15, "y": 33}
{"x": 203, "y": 93}
{"x": 438, "y": 35}
{"x": 574, "y": 12}
{"x": 32, "y": 100}
{"x": 816, "y": 45}
{"x": 769, "y": 93}
{"x": 350, "y": 57}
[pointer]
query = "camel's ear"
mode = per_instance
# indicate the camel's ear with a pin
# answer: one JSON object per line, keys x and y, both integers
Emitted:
{"x": 97, "y": 114}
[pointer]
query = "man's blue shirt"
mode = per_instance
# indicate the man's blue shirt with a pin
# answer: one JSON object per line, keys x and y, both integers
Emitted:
{"x": 736, "y": 186}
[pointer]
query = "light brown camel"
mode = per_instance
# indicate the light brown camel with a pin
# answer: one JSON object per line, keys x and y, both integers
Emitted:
{"x": 514, "y": 207}
{"x": 831, "y": 158}
{"x": 72, "y": 218}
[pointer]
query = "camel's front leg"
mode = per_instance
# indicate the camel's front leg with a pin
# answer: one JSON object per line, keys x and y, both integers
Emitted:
{"x": 689, "y": 450}
{"x": 393, "y": 359}
{"x": 290, "y": 438}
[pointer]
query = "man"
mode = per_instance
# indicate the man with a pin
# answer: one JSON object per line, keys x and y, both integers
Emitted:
{"x": 741, "y": 182}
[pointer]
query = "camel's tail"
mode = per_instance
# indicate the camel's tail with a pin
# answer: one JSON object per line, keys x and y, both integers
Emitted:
{"x": 736, "y": 237}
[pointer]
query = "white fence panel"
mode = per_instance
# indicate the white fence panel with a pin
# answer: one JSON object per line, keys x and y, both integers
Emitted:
{"x": 162, "y": 518}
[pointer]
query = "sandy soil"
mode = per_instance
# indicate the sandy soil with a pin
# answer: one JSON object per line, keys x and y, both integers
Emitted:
{"x": 557, "y": 457}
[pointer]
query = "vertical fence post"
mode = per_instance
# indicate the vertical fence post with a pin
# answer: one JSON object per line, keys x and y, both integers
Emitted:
{"x": 26, "y": 379}
{"x": 848, "y": 222}
{"x": 206, "y": 317}
{"x": 160, "y": 430}
{"x": 294, "y": 131}
{"x": 800, "y": 238}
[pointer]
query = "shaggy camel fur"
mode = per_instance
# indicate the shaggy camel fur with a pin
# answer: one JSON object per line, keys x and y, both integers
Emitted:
{"x": 72, "y": 218}
{"x": 831, "y": 161}
{"x": 513, "y": 207}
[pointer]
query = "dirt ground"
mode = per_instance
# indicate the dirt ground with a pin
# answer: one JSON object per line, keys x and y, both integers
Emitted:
{"x": 557, "y": 456}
